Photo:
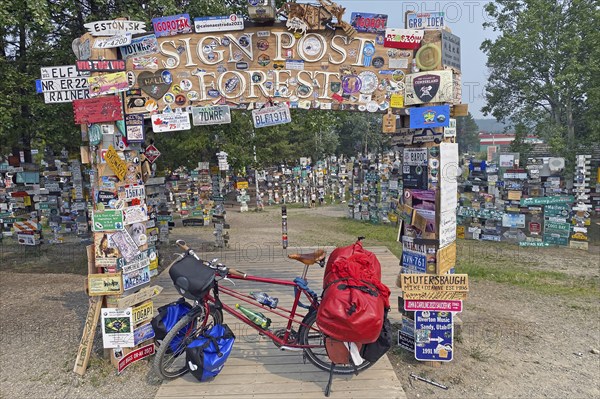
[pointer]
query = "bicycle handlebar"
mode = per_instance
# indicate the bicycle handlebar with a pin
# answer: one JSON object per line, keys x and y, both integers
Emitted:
{"x": 182, "y": 244}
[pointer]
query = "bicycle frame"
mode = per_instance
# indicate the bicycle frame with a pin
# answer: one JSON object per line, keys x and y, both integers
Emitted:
{"x": 288, "y": 314}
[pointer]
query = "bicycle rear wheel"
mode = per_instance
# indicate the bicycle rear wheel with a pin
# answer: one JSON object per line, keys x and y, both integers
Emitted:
{"x": 169, "y": 361}
{"x": 310, "y": 334}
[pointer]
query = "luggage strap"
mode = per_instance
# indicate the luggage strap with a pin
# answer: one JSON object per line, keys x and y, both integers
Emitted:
{"x": 303, "y": 284}
{"x": 373, "y": 292}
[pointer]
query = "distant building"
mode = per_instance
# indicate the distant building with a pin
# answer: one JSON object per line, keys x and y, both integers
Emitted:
{"x": 500, "y": 141}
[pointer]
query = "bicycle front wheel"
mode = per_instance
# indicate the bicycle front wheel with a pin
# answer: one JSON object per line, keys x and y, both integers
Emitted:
{"x": 169, "y": 361}
{"x": 310, "y": 334}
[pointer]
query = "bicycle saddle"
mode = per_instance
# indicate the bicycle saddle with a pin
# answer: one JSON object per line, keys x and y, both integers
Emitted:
{"x": 309, "y": 259}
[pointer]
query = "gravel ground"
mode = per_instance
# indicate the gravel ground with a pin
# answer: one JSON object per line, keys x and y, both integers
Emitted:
{"x": 514, "y": 342}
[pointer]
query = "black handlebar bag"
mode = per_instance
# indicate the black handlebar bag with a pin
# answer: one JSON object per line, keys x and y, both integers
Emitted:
{"x": 192, "y": 278}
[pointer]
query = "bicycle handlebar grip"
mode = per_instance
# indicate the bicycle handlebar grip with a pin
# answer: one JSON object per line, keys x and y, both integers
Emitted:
{"x": 237, "y": 273}
{"x": 181, "y": 244}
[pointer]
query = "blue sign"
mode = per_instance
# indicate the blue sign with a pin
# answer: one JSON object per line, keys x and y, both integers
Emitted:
{"x": 434, "y": 116}
{"x": 143, "y": 333}
{"x": 173, "y": 25}
{"x": 413, "y": 262}
{"x": 434, "y": 336}
{"x": 38, "y": 86}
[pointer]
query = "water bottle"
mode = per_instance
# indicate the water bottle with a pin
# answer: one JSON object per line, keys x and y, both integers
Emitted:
{"x": 265, "y": 299}
{"x": 256, "y": 317}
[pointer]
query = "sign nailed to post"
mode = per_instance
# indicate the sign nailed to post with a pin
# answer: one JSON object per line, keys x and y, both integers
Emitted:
{"x": 434, "y": 336}
{"x": 100, "y": 109}
{"x": 110, "y": 28}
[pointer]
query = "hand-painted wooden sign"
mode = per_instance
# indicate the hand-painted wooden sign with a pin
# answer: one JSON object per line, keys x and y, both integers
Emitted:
{"x": 248, "y": 68}
{"x": 87, "y": 338}
{"x": 100, "y": 65}
{"x": 428, "y": 282}
{"x": 118, "y": 166}
{"x": 105, "y": 284}
{"x": 155, "y": 84}
{"x": 116, "y": 27}
{"x": 100, "y": 109}
{"x": 142, "y": 295}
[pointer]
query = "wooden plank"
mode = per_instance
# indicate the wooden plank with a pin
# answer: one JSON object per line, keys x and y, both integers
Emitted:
{"x": 87, "y": 338}
{"x": 258, "y": 369}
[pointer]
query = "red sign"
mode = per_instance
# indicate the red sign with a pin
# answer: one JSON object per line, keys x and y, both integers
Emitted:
{"x": 136, "y": 355}
{"x": 151, "y": 153}
{"x": 433, "y": 305}
{"x": 535, "y": 227}
{"x": 100, "y": 65}
{"x": 98, "y": 109}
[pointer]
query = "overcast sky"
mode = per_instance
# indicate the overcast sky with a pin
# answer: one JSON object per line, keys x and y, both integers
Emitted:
{"x": 465, "y": 19}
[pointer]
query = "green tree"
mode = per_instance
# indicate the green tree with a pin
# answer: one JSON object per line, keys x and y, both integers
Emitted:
{"x": 519, "y": 144}
{"x": 544, "y": 67}
{"x": 467, "y": 134}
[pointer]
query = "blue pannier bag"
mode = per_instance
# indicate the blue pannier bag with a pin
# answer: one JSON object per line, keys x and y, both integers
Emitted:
{"x": 168, "y": 315}
{"x": 207, "y": 354}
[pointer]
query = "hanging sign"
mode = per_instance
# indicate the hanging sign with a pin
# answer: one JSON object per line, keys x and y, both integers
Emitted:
{"x": 218, "y": 23}
{"x": 431, "y": 116}
{"x": 271, "y": 116}
{"x": 170, "y": 122}
{"x": 428, "y": 20}
{"x": 172, "y": 25}
{"x": 113, "y": 41}
{"x": 108, "y": 83}
{"x": 434, "y": 336}
{"x": 428, "y": 87}
{"x": 408, "y": 39}
{"x": 110, "y": 28}
{"x": 215, "y": 115}
{"x": 368, "y": 22}
{"x": 99, "y": 109}
{"x": 100, "y": 65}
{"x": 117, "y": 328}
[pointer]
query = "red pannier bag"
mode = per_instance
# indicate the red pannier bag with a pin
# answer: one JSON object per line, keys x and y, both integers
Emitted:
{"x": 354, "y": 299}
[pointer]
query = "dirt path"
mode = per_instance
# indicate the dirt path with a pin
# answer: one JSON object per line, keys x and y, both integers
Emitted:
{"x": 515, "y": 342}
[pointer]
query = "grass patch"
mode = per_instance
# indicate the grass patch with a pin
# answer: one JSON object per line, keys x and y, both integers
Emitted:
{"x": 541, "y": 281}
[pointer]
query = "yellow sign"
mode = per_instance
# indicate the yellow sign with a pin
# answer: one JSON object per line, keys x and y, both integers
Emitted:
{"x": 242, "y": 185}
{"x": 27, "y": 200}
{"x": 460, "y": 231}
{"x": 397, "y": 101}
{"x": 105, "y": 284}
{"x": 143, "y": 312}
{"x": 115, "y": 162}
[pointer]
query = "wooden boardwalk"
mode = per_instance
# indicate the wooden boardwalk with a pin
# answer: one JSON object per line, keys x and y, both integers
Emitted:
{"x": 258, "y": 369}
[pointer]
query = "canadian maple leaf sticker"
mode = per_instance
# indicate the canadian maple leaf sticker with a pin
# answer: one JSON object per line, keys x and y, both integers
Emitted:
{"x": 158, "y": 121}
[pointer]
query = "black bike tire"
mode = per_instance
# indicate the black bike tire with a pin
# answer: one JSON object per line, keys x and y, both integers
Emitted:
{"x": 161, "y": 352}
{"x": 303, "y": 334}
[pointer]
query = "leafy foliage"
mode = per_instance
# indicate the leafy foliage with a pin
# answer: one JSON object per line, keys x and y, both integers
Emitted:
{"x": 544, "y": 67}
